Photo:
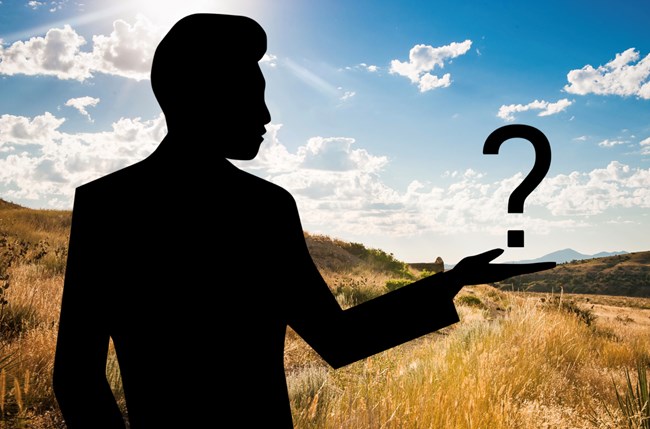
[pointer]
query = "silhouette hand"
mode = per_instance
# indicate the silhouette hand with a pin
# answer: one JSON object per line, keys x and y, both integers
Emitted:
{"x": 477, "y": 269}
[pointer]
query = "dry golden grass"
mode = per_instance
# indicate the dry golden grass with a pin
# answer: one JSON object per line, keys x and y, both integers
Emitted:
{"x": 514, "y": 360}
{"x": 531, "y": 368}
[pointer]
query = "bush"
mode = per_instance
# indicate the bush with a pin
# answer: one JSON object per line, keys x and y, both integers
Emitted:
{"x": 470, "y": 301}
{"x": 569, "y": 306}
{"x": 353, "y": 291}
{"x": 394, "y": 284}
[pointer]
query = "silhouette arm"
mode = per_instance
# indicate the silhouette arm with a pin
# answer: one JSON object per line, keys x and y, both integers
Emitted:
{"x": 345, "y": 336}
{"x": 79, "y": 378}
{"x": 341, "y": 337}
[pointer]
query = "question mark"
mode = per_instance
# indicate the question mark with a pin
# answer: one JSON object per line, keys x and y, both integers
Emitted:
{"x": 534, "y": 178}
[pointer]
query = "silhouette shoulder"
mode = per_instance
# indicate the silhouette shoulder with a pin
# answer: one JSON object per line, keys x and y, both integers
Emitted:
{"x": 125, "y": 190}
{"x": 251, "y": 186}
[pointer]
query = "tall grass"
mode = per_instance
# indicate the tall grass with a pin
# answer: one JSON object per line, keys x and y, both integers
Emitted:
{"x": 512, "y": 361}
{"x": 535, "y": 367}
{"x": 634, "y": 400}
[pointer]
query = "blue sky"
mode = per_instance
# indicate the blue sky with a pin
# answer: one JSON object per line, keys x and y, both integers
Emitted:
{"x": 379, "y": 114}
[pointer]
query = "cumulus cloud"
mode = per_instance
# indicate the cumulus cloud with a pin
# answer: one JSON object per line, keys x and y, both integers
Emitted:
{"x": 57, "y": 54}
{"x": 81, "y": 103}
{"x": 506, "y": 112}
{"x": 591, "y": 193}
{"x": 337, "y": 183}
{"x": 20, "y": 130}
{"x": 423, "y": 59}
{"x": 339, "y": 186}
{"x": 126, "y": 52}
{"x": 625, "y": 75}
{"x": 44, "y": 164}
{"x": 580, "y": 138}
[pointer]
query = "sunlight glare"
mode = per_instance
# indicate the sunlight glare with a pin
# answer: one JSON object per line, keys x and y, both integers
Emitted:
{"x": 165, "y": 13}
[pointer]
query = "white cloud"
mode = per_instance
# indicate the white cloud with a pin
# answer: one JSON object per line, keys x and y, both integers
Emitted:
{"x": 587, "y": 194}
{"x": 58, "y": 5}
{"x": 506, "y": 112}
{"x": 625, "y": 75}
{"x": 269, "y": 59}
{"x": 610, "y": 143}
{"x": 81, "y": 103}
{"x": 580, "y": 139}
{"x": 57, "y": 54}
{"x": 363, "y": 66}
{"x": 52, "y": 163}
{"x": 645, "y": 146}
{"x": 337, "y": 184}
{"x": 347, "y": 95}
{"x": 423, "y": 59}
{"x": 429, "y": 82}
{"x": 35, "y": 4}
{"x": 126, "y": 52}
{"x": 20, "y": 130}
{"x": 340, "y": 188}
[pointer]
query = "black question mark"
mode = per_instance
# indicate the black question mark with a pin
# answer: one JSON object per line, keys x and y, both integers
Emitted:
{"x": 534, "y": 178}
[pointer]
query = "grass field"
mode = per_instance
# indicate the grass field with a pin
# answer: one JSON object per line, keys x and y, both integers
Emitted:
{"x": 516, "y": 360}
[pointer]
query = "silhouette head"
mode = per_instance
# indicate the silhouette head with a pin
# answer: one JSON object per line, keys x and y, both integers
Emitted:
{"x": 207, "y": 80}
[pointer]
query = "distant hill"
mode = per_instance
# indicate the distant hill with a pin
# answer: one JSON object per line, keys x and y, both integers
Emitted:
{"x": 45, "y": 232}
{"x": 626, "y": 274}
{"x": 569, "y": 255}
{"x": 334, "y": 255}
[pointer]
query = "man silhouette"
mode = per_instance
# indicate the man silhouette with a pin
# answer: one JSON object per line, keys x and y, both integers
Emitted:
{"x": 195, "y": 268}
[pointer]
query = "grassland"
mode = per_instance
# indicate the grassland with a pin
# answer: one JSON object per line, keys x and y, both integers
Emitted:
{"x": 516, "y": 360}
{"x": 620, "y": 275}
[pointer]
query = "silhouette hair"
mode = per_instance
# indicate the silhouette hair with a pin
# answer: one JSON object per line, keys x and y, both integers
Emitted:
{"x": 200, "y": 47}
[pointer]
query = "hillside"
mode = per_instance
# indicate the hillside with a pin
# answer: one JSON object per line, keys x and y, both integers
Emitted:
{"x": 623, "y": 275}
{"x": 43, "y": 233}
{"x": 337, "y": 256}
{"x": 569, "y": 255}
{"x": 29, "y": 228}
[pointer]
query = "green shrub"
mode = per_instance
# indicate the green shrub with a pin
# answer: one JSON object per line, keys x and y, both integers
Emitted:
{"x": 394, "y": 284}
{"x": 470, "y": 301}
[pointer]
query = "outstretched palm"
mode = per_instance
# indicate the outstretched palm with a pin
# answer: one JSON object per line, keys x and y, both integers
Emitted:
{"x": 477, "y": 269}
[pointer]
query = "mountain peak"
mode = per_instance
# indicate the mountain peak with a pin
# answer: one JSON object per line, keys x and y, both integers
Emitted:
{"x": 568, "y": 255}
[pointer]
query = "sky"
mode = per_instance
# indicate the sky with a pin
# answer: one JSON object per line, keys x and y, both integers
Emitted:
{"x": 379, "y": 109}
